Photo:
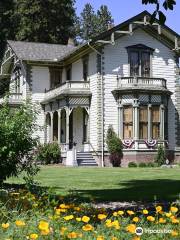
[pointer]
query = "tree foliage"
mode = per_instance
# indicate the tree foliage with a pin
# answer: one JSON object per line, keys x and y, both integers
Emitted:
{"x": 16, "y": 142}
{"x": 167, "y": 5}
{"x": 114, "y": 145}
{"x": 91, "y": 23}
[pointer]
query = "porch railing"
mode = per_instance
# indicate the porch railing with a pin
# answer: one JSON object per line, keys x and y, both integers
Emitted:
{"x": 71, "y": 85}
{"x": 141, "y": 81}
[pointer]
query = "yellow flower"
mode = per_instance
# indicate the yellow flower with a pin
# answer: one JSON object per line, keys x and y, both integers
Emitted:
{"x": 136, "y": 238}
{"x": 101, "y": 216}
{"x": 67, "y": 218}
{"x": 131, "y": 228}
{"x": 168, "y": 214}
{"x": 115, "y": 214}
{"x": 77, "y": 208}
{"x": 20, "y": 223}
{"x": 5, "y": 225}
{"x": 33, "y": 236}
{"x": 85, "y": 219}
{"x": 151, "y": 218}
{"x": 87, "y": 227}
{"x": 115, "y": 224}
{"x": 100, "y": 238}
{"x": 62, "y": 230}
{"x": 145, "y": 211}
{"x": 135, "y": 219}
{"x": 174, "y": 220}
{"x": 174, "y": 209}
{"x": 45, "y": 232}
{"x": 158, "y": 209}
{"x": 108, "y": 223}
{"x": 120, "y": 213}
{"x": 174, "y": 233}
{"x": 78, "y": 219}
{"x": 130, "y": 212}
{"x": 43, "y": 225}
{"x": 72, "y": 235}
{"x": 114, "y": 238}
{"x": 162, "y": 220}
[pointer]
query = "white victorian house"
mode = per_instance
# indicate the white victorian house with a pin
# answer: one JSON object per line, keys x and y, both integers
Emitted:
{"x": 127, "y": 77}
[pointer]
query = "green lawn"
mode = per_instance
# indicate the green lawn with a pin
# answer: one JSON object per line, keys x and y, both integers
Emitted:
{"x": 115, "y": 184}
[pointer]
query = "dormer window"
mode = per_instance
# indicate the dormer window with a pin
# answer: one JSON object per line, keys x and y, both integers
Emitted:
{"x": 139, "y": 60}
{"x": 85, "y": 68}
{"x": 55, "y": 77}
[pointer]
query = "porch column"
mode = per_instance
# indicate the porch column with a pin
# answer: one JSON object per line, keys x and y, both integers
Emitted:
{"x": 136, "y": 121}
{"x": 149, "y": 122}
{"x": 59, "y": 126}
{"x": 67, "y": 127}
{"x": 52, "y": 116}
{"x": 162, "y": 122}
{"x": 45, "y": 127}
{"x": 120, "y": 121}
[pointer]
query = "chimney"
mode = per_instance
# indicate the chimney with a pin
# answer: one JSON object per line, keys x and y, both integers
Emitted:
{"x": 71, "y": 42}
{"x": 110, "y": 25}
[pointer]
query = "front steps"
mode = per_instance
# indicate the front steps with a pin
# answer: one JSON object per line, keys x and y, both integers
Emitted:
{"x": 85, "y": 159}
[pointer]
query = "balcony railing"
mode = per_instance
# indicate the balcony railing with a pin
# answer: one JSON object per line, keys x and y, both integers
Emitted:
{"x": 67, "y": 87}
{"x": 141, "y": 81}
{"x": 13, "y": 98}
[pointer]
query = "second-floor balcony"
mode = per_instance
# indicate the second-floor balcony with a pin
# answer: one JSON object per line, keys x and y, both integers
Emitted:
{"x": 141, "y": 84}
{"x": 12, "y": 99}
{"x": 141, "y": 81}
{"x": 68, "y": 88}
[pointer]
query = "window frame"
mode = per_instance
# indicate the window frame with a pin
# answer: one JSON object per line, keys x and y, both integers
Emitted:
{"x": 126, "y": 123}
{"x": 143, "y": 123}
{"x": 140, "y": 48}
{"x": 53, "y": 72}
{"x": 69, "y": 68}
{"x": 85, "y": 62}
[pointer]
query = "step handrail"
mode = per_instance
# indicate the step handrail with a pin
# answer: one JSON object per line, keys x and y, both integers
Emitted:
{"x": 94, "y": 150}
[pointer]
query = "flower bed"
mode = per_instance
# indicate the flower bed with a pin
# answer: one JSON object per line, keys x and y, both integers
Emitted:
{"x": 27, "y": 216}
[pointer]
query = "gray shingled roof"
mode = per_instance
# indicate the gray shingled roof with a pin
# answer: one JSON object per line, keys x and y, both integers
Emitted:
{"x": 39, "y": 51}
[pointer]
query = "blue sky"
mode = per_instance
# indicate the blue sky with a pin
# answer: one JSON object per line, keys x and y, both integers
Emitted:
{"x": 123, "y": 9}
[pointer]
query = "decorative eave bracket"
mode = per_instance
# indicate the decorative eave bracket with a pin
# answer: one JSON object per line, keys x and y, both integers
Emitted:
{"x": 176, "y": 44}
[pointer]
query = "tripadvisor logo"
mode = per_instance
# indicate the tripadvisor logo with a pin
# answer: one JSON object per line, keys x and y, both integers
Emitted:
{"x": 139, "y": 231}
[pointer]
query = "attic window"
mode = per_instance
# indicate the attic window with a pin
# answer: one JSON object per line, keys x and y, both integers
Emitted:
{"x": 139, "y": 60}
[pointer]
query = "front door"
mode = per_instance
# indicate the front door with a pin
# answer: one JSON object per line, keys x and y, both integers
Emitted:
{"x": 78, "y": 128}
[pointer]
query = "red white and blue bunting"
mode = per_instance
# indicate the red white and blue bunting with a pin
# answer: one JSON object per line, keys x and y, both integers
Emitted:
{"x": 151, "y": 143}
{"x": 128, "y": 143}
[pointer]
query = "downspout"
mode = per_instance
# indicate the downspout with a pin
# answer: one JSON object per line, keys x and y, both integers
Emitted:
{"x": 102, "y": 104}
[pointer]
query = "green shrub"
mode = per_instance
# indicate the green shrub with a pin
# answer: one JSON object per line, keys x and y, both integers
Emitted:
{"x": 17, "y": 126}
{"x": 115, "y": 147}
{"x": 161, "y": 156}
{"x": 142, "y": 165}
{"x": 48, "y": 153}
{"x": 151, "y": 164}
{"x": 132, "y": 164}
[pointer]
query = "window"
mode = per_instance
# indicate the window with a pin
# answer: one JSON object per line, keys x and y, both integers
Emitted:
{"x": 139, "y": 60}
{"x": 127, "y": 123}
{"x": 68, "y": 73}
{"x": 155, "y": 122}
{"x": 85, "y": 68}
{"x": 17, "y": 84}
{"x": 143, "y": 122}
{"x": 55, "y": 77}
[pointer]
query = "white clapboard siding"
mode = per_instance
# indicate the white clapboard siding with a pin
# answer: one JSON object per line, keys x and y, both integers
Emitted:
{"x": 116, "y": 61}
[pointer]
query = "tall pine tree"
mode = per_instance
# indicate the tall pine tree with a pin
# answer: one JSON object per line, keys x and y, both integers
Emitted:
{"x": 90, "y": 24}
{"x": 104, "y": 19}
{"x": 7, "y": 23}
{"x": 49, "y": 21}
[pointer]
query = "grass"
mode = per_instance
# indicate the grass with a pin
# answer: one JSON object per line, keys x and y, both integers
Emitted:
{"x": 112, "y": 184}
